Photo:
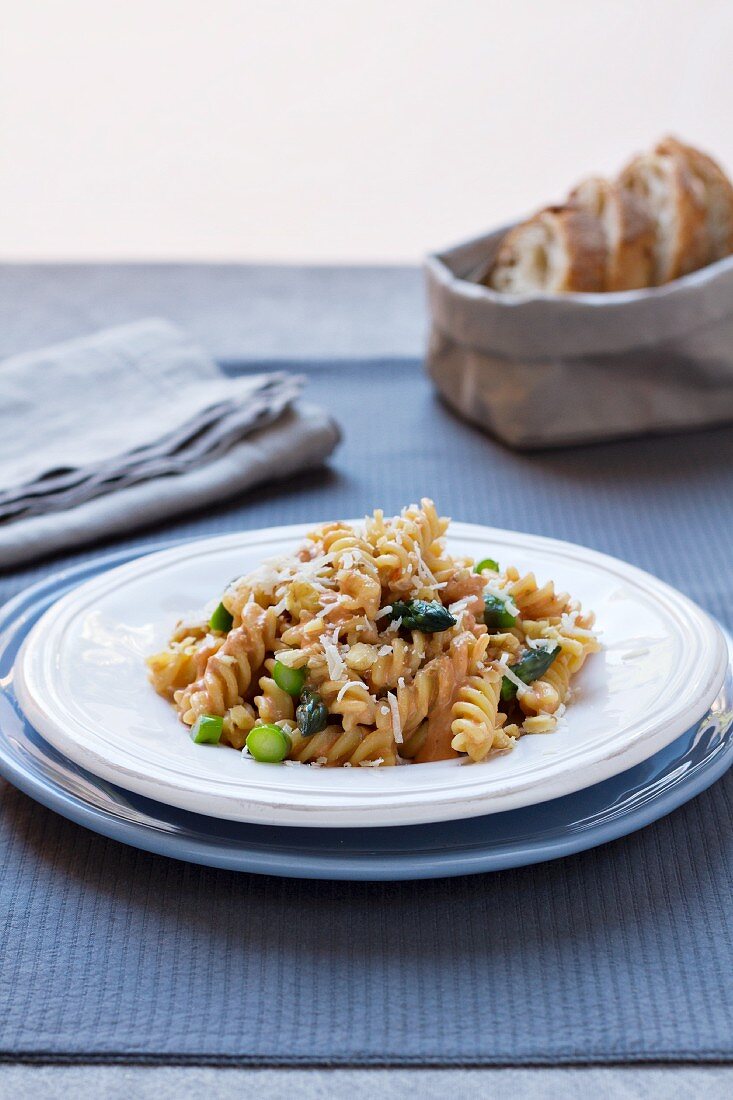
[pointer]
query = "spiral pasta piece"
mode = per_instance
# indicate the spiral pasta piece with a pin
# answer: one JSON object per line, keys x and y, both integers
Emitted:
{"x": 357, "y": 574}
{"x": 476, "y": 721}
{"x": 238, "y": 721}
{"x": 399, "y": 661}
{"x": 533, "y": 601}
{"x": 414, "y": 700}
{"x": 175, "y": 667}
{"x": 273, "y": 704}
{"x": 509, "y": 642}
{"x": 350, "y": 701}
{"x": 334, "y": 747}
{"x": 404, "y": 547}
{"x": 231, "y": 669}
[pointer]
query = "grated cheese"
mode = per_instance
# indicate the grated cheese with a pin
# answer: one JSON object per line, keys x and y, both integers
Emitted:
{"x": 396, "y": 723}
{"x": 496, "y": 590}
{"x": 332, "y": 605}
{"x": 371, "y": 763}
{"x": 337, "y": 670}
{"x": 519, "y": 684}
{"x": 384, "y": 611}
{"x": 280, "y": 571}
{"x": 289, "y": 657}
{"x": 345, "y": 687}
{"x": 425, "y": 573}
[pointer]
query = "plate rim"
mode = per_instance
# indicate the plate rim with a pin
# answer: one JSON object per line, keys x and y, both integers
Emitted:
{"x": 357, "y": 867}
{"x": 402, "y": 868}
{"x": 278, "y": 805}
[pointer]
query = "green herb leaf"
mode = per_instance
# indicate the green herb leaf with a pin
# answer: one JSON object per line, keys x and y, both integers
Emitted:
{"x": 428, "y": 616}
{"x": 312, "y": 713}
{"x": 530, "y": 668}
{"x": 496, "y": 615}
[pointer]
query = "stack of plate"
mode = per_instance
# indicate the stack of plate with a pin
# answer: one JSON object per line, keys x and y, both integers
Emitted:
{"x": 82, "y": 731}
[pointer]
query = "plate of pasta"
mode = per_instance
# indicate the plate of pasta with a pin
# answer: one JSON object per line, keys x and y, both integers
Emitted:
{"x": 385, "y": 671}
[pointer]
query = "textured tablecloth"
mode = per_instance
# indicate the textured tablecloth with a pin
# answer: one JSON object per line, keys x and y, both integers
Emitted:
{"x": 621, "y": 954}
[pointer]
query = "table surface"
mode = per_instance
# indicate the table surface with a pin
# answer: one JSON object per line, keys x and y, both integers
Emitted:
{"x": 266, "y": 313}
{"x": 236, "y": 311}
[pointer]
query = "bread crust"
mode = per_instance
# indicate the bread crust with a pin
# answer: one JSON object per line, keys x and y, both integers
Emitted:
{"x": 665, "y": 185}
{"x": 717, "y": 194}
{"x": 629, "y": 230}
{"x": 573, "y": 245}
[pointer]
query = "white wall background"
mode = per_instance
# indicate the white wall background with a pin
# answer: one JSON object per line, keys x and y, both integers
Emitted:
{"x": 332, "y": 130}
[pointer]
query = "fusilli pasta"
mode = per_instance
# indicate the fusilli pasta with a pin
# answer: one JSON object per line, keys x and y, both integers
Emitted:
{"x": 373, "y": 646}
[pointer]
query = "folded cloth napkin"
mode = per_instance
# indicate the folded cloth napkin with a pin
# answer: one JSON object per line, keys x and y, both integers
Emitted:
{"x": 134, "y": 424}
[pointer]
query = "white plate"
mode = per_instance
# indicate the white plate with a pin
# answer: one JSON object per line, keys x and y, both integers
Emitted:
{"x": 81, "y": 680}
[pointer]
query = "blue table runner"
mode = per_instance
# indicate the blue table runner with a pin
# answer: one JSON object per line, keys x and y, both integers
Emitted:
{"x": 621, "y": 954}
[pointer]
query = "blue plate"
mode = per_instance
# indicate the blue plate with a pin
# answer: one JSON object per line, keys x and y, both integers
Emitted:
{"x": 530, "y": 835}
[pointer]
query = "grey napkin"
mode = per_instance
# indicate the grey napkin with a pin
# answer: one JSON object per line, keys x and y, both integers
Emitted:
{"x": 134, "y": 424}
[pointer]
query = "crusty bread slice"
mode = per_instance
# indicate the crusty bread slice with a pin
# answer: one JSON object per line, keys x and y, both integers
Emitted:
{"x": 716, "y": 193}
{"x": 562, "y": 248}
{"x": 664, "y": 183}
{"x": 629, "y": 231}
